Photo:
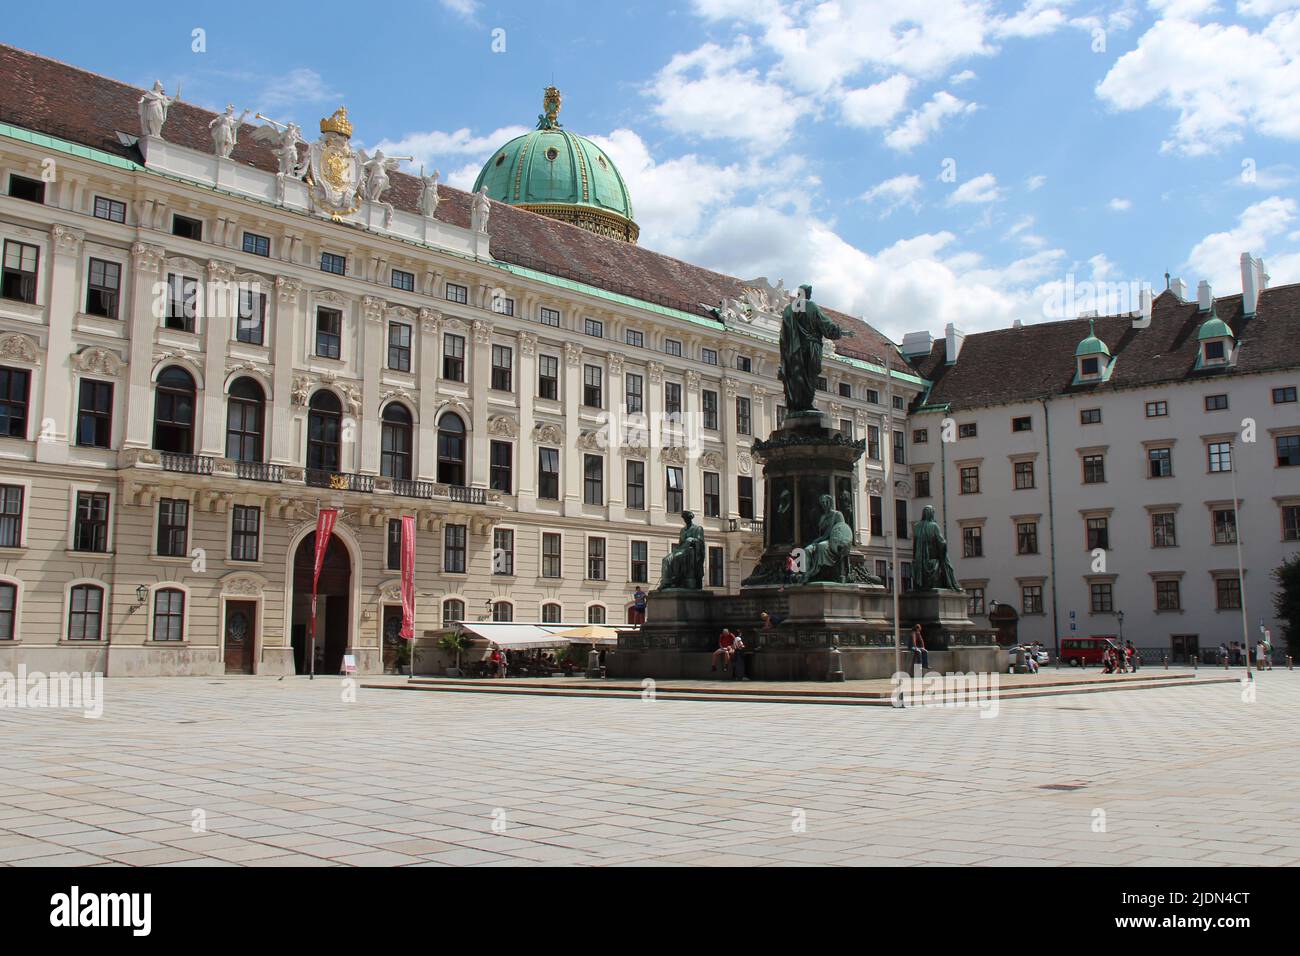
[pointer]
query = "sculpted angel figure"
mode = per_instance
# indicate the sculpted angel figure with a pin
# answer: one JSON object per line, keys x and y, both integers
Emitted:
{"x": 284, "y": 138}
{"x": 376, "y": 169}
{"x": 153, "y": 108}
{"x": 428, "y": 193}
{"x": 225, "y": 131}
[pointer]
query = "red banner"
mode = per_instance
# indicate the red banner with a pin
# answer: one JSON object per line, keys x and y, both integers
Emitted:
{"x": 325, "y": 519}
{"x": 408, "y": 578}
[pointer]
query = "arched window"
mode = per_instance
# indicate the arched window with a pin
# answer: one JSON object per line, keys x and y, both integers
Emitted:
{"x": 324, "y": 418}
{"x": 85, "y": 612}
{"x": 245, "y": 417}
{"x": 596, "y": 614}
{"x": 453, "y": 610}
{"x": 395, "y": 442}
{"x": 173, "y": 414}
{"x": 169, "y": 615}
{"x": 451, "y": 449}
{"x": 503, "y": 611}
{"x": 552, "y": 613}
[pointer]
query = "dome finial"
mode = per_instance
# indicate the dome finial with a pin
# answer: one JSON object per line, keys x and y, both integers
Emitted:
{"x": 551, "y": 101}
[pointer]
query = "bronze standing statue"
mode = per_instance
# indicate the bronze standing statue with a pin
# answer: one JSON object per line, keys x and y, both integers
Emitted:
{"x": 683, "y": 566}
{"x": 931, "y": 569}
{"x": 803, "y": 327}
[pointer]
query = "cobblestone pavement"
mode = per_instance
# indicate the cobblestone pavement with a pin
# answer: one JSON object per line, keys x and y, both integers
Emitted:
{"x": 193, "y": 771}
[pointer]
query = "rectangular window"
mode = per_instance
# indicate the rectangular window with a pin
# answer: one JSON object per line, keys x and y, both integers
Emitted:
{"x": 920, "y": 436}
{"x": 250, "y": 323}
{"x": 403, "y": 280}
{"x": 1220, "y": 456}
{"x": 548, "y": 377}
{"x": 592, "y": 377}
{"x": 744, "y": 363}
{"x": 503, "y": 361}
{"x": 399, "y": 346}
{"x": 1160, "y": 462}
{"x": 20, "y": 267}
{"x": 595, "y": 559}
{"x": 636, "y": 485}
{"x": 745, "y": 496}
{"x": 453, "y": 549}
{"x": 245, "y": 531}
{"x": 1168, "y": 596}
{"x": 15, "y": 384}
{"x": 103, "y": 288}
{"x": 876, "y": 506}
{"x": 972, "y": 542}
{"x": 1291, "y": 522}
{"x": 11, "y": 516}
{"x": 453, "y": 357}
{"x": 1022, "y": 424}
{"x": 635, "y": 338}
{"x": 1157, "y": 409}
{"x": 922, "y": 480}
{"x": 672, "y": 398}
{"x": 673, "y": 347}
{"x": 717, "y": 567}
{"x": 182, "y": 303}
{"x": 873, "y": 396}
{"x": 1163, "y": 531}
{"x": 329, "y": 333}
{"x": 709, "y": 356}
{"x": 8, "y": 604}
{"x": 744, "y": 419}
{"x": 457, "y": 293}
{"x": 1031, "y": 599}
{"x": 548, "y": 473}
{"x": 970, "y": 480}
{"x": 336, "y": 264}
{"x": 1288, "y": 450}
{"x": 393, "y": 552}
{"x": 968, "y": 430}
{"x": 110, "y": 209}
{"x": 551, "y": 557}
{"x": 634, "y": 398}
{"x": 95, "y": 414}
{"x": 1227, "y": 593}
{"x": 1024, "y": 475}
{"x": 1027, "y": 537}
{"x": 1090, "y": 416}
{"x": 1284, "y": 395}
{"x": 549, "y": 317}
{"x": 846, "y": 390}
{"x": 594, "y": 327}
{"x": 1098, "y": 530}
{"x": 169, "y": 615}
{"x": 822, "y": 384}
{"x": 503, "y": 551}
{"x": 901, "y": 524}
{"x": 676, "y": 485}
{"x": 712, "y": 494}
{"x": 593, "y": 479}
{"x": 846, "y": 428}
{"x": 900, "y": 448}
{"x": 873, "y": 442}
{"x": 502, "y": 305}
{"x": 257, "y": 245}
{"x": 85, "y": 613}
{"x": 1101, "y": 597}
{"x": 1225, "y": 526}
{"x": 709, "y": 407}
{"x": 187, "y": 228}
{"x": 974, "y": 601}
{"x": 173, "y": 527}
{"x": 501, "y": 477}
{"x": 1094, "y": 469}
{"x": 780, "y": 415}
{"x": 90, "y": 529}
{"x": 640, "y": 567}
{"x": 1216, "y": 403}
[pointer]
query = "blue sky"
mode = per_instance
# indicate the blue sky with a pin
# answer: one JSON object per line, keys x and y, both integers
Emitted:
{"x": 920, "y": 161}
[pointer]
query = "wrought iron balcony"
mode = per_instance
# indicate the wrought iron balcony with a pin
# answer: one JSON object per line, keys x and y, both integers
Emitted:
{"x": 412, "y": 489}
{"x": 752, "y": 525}
{"x": 186, "y": 464}
{"x": 338, "y": 480}
{"x": 471, "y": 496}
{"x": 258, "y": 471}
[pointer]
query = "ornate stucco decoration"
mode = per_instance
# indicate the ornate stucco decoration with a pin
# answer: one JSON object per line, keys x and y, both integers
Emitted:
{"x": 482, "y": 332}
{"x": 429, "y": 319}
{"x": 248, "y": 366}
{"x": 301, "y": 390}
{"x": 66, "y": 238}
{"x": 527, "y": 343}
{"x": 147, "y": 257}
{"x": 503, "y": 426}
{"x": 591, "y": 441}
{"x": 334, "y": 169}
{"x": 398, "y": 393}
{"x": 15, "y": 345}
{"x": 98, "y": 361}
{"x": 674, "y": 455}
{"x": 711, "y": 461}
{"x": 572, "y": 354}
{"x": 548, "y": 432}
{"x": 745, "y": 463}
{"x": 288, "y": 289}
{"x": 656, "y": 371}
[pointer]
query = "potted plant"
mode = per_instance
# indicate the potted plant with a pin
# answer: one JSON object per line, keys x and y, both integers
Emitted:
{"x": 454, "y": 641}
{"x": 402, "y": 658}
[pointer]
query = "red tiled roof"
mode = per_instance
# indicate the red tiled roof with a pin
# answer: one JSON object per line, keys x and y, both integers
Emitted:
{"x": 46, "y": 96}
{"x": 1036, "y": 361}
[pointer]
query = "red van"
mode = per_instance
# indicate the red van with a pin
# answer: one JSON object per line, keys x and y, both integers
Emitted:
{"x": 1082, "y": 651}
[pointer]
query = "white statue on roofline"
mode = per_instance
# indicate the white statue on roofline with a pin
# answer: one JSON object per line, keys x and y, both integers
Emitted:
{"x": 153, "y": 108}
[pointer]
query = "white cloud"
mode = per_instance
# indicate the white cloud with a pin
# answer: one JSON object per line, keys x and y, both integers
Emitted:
{"x": 1217, "y": 257}
{"x": 1120, "y": 205}
{"x": 1222, "y": 80}
{"x": 1263, "y": 8}
{"x": 1020, "y": 231}
{"x": 965, "y": 76}
{"x": 876, "y": 105}
{"x": 981, "y": 189}
{"x": 923, "y": 123}
{"x": 1183, "y": 9}
{"x": 300, "y": 87}
{"x": 436, "y": 146}
{"x": 465, "y": 9}
{"x": 1102, "y": 267}
{"x": 1034, "y": 183}
{"x": 895, "y": 192}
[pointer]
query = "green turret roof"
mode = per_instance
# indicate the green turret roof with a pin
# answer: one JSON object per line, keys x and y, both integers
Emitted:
{"x": 1214, "y": 327}
{"x": 1091, "y": 345}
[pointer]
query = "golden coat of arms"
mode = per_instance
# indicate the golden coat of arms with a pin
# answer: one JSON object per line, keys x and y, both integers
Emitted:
{"x": 334, "y": 168}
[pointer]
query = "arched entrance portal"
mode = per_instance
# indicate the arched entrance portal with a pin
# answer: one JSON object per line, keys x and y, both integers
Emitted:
{"x": 333, "y": 610}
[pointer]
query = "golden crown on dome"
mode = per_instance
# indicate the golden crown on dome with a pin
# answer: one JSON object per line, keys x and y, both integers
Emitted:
{"x": 338, "y": 123}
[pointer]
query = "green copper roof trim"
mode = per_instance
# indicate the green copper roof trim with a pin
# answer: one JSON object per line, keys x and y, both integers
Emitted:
{"x": 1091, "y": 345}
{"x": 64, "y": 146}
{"x": 1214, "y": 328}
{"x": 1105, "y": 374}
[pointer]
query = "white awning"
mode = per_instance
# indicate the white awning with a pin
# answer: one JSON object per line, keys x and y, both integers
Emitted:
{"x": 524, "y": 636}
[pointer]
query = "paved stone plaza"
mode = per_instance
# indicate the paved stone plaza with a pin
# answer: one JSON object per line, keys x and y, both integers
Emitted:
{"x": 283, "y": 772}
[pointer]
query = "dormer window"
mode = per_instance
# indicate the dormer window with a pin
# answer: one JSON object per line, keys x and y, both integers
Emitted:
{"x": 1093, "y": 361}
{"x": 1216, "y": 342}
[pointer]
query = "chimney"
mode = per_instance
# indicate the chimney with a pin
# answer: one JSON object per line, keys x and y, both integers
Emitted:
{"x": 953, "y": 338}
{"x": 1017, "y": 325}
{"x": 1179, "y": 288}
{"x": 1254, "y": 280}
{"x": 916, "y": 344}
{"x": 1204, "y": 297}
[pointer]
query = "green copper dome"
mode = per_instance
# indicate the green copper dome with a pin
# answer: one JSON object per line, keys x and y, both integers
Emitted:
{"x": 1214, "y": 328}
{"x": 561, "y": 175}
{"x": 1091, "y": 345}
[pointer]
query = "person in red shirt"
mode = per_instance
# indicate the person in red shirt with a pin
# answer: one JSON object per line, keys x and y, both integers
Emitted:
{"x": 726, "y": 640}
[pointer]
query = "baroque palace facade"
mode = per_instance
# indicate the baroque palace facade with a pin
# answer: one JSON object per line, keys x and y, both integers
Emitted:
{"x": 209, "y": 330}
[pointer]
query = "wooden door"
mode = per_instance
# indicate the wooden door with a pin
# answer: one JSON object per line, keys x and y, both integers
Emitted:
{"x": 240, "y": 636}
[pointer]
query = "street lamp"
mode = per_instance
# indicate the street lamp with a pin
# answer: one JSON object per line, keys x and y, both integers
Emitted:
{"x": 1120, "y": 617}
